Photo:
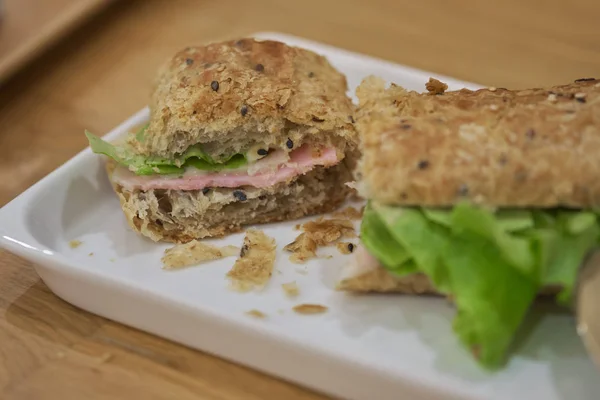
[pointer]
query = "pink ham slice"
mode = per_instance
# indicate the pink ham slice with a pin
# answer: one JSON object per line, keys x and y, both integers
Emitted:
{"x": 300, "y": 162}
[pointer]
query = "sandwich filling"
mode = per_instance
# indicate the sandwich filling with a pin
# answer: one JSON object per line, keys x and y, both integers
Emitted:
{"x": 195, "y": 170}
{"x": 490, "y": 263}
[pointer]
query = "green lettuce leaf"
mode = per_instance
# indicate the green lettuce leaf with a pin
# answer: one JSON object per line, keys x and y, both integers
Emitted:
{"x": 192, "y": 157}
{"x": 493, "y": 264}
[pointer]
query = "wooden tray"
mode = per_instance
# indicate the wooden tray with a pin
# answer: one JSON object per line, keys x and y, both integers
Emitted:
{"x": 29, "y": 26}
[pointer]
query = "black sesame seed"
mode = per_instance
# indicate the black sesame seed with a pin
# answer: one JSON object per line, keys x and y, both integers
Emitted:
{"x": 243, "y": 250}
{"x": 244, "y": 110}
{"x": 403, "y": 196}
{"x": 580, "y": 99}
{"x": 423, "y": 164}
{"x": 311, "y": 74}
{"x": 530, "y": 134}
{"x": 585, "y": 79}
{"x": 260, "y": 67}
{"x": 317, "y": 119}
{"x": 189, "y": 61}
{"x": 351, "y": 118}
{"x": 262, "y": 152}
{"x": 262, "y": 197}
{"x": 350, "y": 247}
{"x": 194, "y": 112}
{"x": 241, "y": 196}
{"x": 214, "y": 85}
{"x": 289, "y": 143}
{"x": 463, "y": 190}
{"x": 405, "y": 126}
{"x": 205, "y": 191}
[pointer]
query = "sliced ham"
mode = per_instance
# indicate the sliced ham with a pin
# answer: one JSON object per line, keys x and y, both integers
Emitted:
{"x": 275, "y": 168}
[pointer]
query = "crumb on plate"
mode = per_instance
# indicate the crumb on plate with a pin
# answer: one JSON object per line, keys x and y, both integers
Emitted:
{"x": 194, "y": 253}
{"x": 291, "y": 289}
{"x": 327, "y": 231}
{"x": 91, "y": 254}
{"x": 302, "y": 248}
{"x": 345, "y": 247}
{"x": 308, "y": 309}
{"x": 75, "y": 244}
{"x": 256, "y": 314}
{"x": 254, "y": 266}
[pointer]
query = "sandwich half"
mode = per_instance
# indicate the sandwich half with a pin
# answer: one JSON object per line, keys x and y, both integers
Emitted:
{"x": 240, "y": 132}
{"x": 488, "y": 197}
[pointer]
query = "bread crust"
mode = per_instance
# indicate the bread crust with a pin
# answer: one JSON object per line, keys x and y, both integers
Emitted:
{"x": 492, "y": 147}
{"x": 204, "y": 93}
{"x": 379, "y": 280}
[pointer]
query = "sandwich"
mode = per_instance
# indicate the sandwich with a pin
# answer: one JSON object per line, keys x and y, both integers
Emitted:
{"x": 488, "y": 197}
{"x": 240, "y": 132}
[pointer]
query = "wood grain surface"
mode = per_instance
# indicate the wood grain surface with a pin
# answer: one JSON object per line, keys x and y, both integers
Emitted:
{"x": 101, "y": 74}
{"x": 29, "y": 26}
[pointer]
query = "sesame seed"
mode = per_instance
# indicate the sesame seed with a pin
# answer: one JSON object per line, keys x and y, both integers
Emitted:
{"x": 262, "y": 152}
{"x": 243, "y": 250}
{"x": 205, "y": 191}
{"x": 289, "y": 143}
{"x": 244, "y": 110}
{"x": 579, "y": 95}
{"x": 580, "y": 99}
{"x": 423, "y": 164}
{"x": 262, "y": 197}
{"x": 189, "y": 61}
{"x": 350, "y": 247}
{"x": 311, "y": 74}
{"x": 403, "y": 196}
{"x": 492, "y": 89}
{"x": 405, "y": 126}
{"x": 493, "y": 107}
{"x": 552, "y": 98}
{"x": 463, "y": 190}
{"x": 585, "y": 79}
{"x": 530, "y": 134}
{"x": 351, "y": 118}
{"x": 214, "y": 85}
{"x": 317, "y": 119}
{"x": 259, "y": 67}
{"x": 241, "y": 196}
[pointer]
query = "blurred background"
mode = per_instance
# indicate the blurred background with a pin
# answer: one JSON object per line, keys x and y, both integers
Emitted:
{"x": 70, "y": 65}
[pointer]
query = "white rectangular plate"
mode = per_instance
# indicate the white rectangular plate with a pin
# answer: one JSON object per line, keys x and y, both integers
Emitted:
{"x": 364, "y": 347}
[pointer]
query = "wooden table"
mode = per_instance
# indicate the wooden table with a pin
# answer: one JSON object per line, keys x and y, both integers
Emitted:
{"x": 101, "y": 75}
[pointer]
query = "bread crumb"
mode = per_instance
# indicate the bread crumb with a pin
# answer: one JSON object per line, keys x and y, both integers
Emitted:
{"x": 436, "y": 87}
{"x": 301, "y": 271}
{"x": 302, "y": 249}
{"x": 194, "y": 253}
{"x": 254, "y": 266}
{"x": 348, "y": 213}
{"x": 325, "y": 232}
{"x": 256, "y": 314}
{"x": 91, "y": 254}
{"x": 345, "y": 247}
{"x": 291, "y": 289}
{"x": 281, "y": 311}
{"x": 297, "y": 227}
{"x": 75, "y": 244}
{"x": 308, "y": 309}
{"x": 112, "y": 260}
{"x": 321, "y": 232}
